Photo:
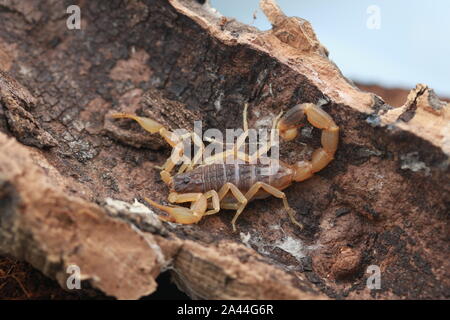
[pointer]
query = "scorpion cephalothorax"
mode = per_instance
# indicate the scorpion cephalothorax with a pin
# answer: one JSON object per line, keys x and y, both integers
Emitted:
{"x": 216, "y": 184}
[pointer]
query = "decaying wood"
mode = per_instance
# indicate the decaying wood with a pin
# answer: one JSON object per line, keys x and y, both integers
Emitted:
{"x": 69, "y": 175}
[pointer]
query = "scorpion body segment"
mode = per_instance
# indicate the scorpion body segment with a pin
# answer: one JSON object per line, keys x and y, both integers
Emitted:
{"x": 212, "y": 186}
{"x": 242, "y": 175}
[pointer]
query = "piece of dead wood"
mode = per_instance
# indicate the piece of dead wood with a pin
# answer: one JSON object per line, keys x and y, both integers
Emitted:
{"x": 68, "y": 197}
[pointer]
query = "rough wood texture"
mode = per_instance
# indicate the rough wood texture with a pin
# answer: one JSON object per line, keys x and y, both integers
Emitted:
{"x": 69, "y": 175}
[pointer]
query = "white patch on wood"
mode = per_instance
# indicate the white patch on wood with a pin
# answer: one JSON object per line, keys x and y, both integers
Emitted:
{"x": 293, "y": 246}
{"x": 245, "y": 238}
{"x": 218, "y": 102}
{"x": 136, "y": 207}
{"x": 264, "y": 122}
{"x": 116, "y": 206}
{"x": 412, "y": 162}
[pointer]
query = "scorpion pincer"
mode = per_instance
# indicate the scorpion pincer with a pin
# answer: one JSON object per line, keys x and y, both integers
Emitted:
{"x": 212, "y": 186}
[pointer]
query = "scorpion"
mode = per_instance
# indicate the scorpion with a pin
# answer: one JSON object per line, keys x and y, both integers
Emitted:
{"x": 212, "y": 186}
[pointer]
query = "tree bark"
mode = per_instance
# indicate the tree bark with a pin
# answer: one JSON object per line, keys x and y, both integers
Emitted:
{"x": 69, "y": 174}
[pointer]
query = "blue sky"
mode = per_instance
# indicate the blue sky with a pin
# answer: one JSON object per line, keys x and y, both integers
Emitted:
{"x": 411, "y": 46}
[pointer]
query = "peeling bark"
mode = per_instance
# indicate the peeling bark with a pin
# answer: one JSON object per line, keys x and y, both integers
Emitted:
{"x": 69, "y": 175}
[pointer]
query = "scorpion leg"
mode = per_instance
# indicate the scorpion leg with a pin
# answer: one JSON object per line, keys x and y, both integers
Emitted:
{"x": 276, "y": 193}
{"x": 198, "y": 155}
{"x": 239, "y": 197}
{"x": 236, "y": 150}
{"x": 223, "y": 155}
{"x": 166, "y": 177}
{"x": 321, "y": 157}
{"x": 241, "y": 139}
{"x": 215, "y": 202}
{"x": 244, "y": 117}
{"x": 267, "y": 145}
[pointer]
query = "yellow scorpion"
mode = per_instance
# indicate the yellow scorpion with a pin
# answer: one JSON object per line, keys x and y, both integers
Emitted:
{"x": 211, "y": 186}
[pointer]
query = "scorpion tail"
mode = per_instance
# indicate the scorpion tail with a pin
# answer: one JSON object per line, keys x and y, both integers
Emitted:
{"x": 288, "y": 128}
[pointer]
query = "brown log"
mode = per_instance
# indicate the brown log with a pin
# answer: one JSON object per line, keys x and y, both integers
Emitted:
{"x": 70, "y": 175}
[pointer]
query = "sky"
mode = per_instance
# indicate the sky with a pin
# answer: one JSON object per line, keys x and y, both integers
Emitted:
{"x": 394, "y": 43}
